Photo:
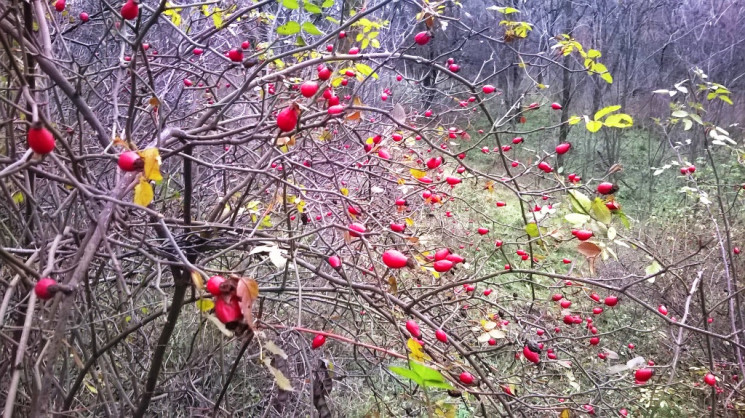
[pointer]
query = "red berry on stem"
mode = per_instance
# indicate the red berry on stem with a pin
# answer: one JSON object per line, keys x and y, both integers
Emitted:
{"x": 44, "y": 289}
{"x": 395, "y": 259}
{"x": 318, "y": 341}
{"x": 287, "y": 118}
{"x": 228, "y": 312}
{"x": 413, "y": 328}
{"x": 466, "y": 378}
{"x": 441, "y": 336}
{"x": 130, "y": 161}
{"x": 40, "y": 140}
{"x": 213, "y": 285}
{"x": 422, "y": 38}
{"x": 130, "y": 10}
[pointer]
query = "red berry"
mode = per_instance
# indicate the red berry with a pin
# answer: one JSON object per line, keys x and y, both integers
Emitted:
{"x": 130, "y": 10}
{"x": 611, "y": 300}
{"x": 413, "y": 328}
{"x": 130, "y": 161}
{"x": 309, "y": 88}
{"x": 441, "y": 336}
{"x": 582, "y": 234}
{"x": 398, "y": 227}
{"x": 213, "y": 285}
{"x": 84, "y": 17}
{"x": 443, "y": 265}
{"x": 566, "y": 261}
{"x": 335, "y": 262}
{"x": 59, "y": 5}
{"x": 228, "y": 312}
{"x": 287, "y": 118}
{"x": 555, "y": 106}
{"x": 357, "y": 229}
{"x": 597, "y": 310}
{"x": 235, "y": 55}
{"x": 488, "y": 89}
{"x": 394, "y": 259}
{"x": 335, "y": 110}
{"x": 422, "y": 38}
{"x": 563, "y": 148}
{"x": 607, "y": 188}
{"x": 466, "y": 378}
{"x": 40, "y": 140}
{"x": 530, "y": 355}
{"x": 245, "y": 45}
{"x": 324, "y": 73}
{"x": 736, "y": 250}
{"x": 710, "y": 379}
{"x": 342, "y": 35}
{"x": 545, "y": 167}
{"x": 43, "y": 288}
{"x": 594, "y": 341}
{"x": 642, "y": 375}
{"x": 662, "y": 309}
{"x": 565, "y": 304}
{"x": 487, "y": 292}
{"x": 483, "y": 231}
{"x": 318, "y": 341}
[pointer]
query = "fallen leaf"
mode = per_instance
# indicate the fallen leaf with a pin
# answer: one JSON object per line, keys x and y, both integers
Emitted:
{"x": 143, "y": 193}
{"x": 247, "y": 292}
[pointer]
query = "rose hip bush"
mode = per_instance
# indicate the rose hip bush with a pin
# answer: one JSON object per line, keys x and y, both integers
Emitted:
{"x": 280, "y": 208}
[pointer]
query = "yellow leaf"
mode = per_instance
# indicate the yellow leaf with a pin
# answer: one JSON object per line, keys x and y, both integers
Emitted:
{"x": 196, "y": 278}
{"x": 574, "y": 120}
{"x": 18, "y": 198}
{"x": 344, "y": 191}
{"x": 91, "y": 388}
{"x": 154, "y": 102}
{"x": 143, "y": 193}
{"x": 416, "y": 351}
{"x": 593, "y": 125}
{"x": 565, "y": 414}
{"x": 205, "y": 305}
{"x": 409, "y": 222}
{"x": 401, "y": 182}
{"x": 417, "y": 174}
{"x": 272, "y": 348}
{"x": 151, "y": 157}
{"x": 279, "y": 377}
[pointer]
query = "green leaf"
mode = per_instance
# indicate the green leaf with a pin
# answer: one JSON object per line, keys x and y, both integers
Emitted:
{"x": 679, "y": 114}
{"x": 311, "y": 29}
{"x": 289, "y": 28}
{"x": 594, "y": 53}
{"x": 359, "y": 37}
{"x": 327, "y": 3}
{"x": 428, "y": 374}
{"x": 605, "y": 111}
{"x": 332, "y": 20}
{"x": 593, "y": 125}
{"x": 725, "y": 99}
{"x": 580, "y": 202}
{"x": 600, "y": 211}
{"x": 577, "y": 219}
{"x": 532, "y": 230}
{"x": 624, "y": 219}
{"x": 365, "y": 70}
{"x": 290, "y": 4}
{"x": 311, "y": 8}
{"x": 407, "y": 373}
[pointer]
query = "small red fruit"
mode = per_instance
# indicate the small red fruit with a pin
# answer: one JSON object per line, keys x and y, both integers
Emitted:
{"x": 235, "y": 55}
{"x": 130, "y": 161}
{"x": 566, "y": 261}
{"x": 324, "y": 73}
{"x": 213, "y": 285}
{"x": 545, "y": 167}
{"x": 422, "y": 38}
{"x": 736, "y": 250}
{"x": 335, "y": 110}
{"x": 59, "y": 5}
{"x": 357, "y": 229}
{"x": 287, "y": 118}
{"x": 530, "y": 355}
{"x": 442, "y": 254}
{"x": 563, "y": 148}
{"x": 441, "y": 336}
{"x": 413, "y": 328}
{"x": 130, "y": 10}
{"x": 710, "y": 379}
{"x": 309, "y": 88}
{"x": 398, "y": 227}
{"x": 40, "y": 140}
{"x": 631, "y": 346}
{"x": 597, "y": 310}
{"x": 395, "y": 259}
{"x": 611, "y": 301}
{"x": 483, "y": 231}
{"x": 44, "y": 288}
{"x": 594, "y": 341}
{"x": 557, "y": 297}
{"x": 566, "y": 304}
{"x": 487, "y": 292}
{"x": 595, "y": 297}
{"x": 443, "y": 265}
{"x": 228, "y": 312}
{"x": 466, "y": 378}
{"x": 318, "y": 341}
{"x": 335, "y": 261}
{"x": 582, "y": 234}
{"x": 555, "y": 106}
{"x": 662, "y": 309}
{"x": 84, "y": 17}
{"x": 607, "y": 188}
{"x": 642, "y": 375}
